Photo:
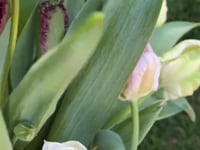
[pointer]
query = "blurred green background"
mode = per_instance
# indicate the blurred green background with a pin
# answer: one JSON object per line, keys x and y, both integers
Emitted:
{"x": 178, "y": 132}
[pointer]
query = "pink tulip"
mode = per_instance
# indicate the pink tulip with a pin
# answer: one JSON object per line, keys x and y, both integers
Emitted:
{"x": 3, "y": 13}
{"x": 144, "y": 78}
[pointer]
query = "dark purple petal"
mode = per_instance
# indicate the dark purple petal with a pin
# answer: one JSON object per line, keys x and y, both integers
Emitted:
{"x": 3, "y": 14}
{"x": 46, "y": 11}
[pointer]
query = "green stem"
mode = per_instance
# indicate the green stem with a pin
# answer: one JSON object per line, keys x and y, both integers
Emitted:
{"x": 135, "y": 123}
{"x": 11, "y": 48}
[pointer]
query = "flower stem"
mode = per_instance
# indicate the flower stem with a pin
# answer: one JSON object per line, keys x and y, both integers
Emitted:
{"x": 135, "y": 123}
{"x": 11, "y": 48}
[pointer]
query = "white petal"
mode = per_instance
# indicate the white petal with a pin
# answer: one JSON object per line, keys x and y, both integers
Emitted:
{"x": 70, "y": 145}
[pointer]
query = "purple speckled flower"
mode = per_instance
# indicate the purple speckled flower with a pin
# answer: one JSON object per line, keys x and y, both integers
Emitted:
{"x": 3, "y": 14}
{"x": 46, "y": 11}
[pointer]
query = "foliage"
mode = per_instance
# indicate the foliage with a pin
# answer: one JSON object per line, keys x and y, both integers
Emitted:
{"x": 64, "y": 65}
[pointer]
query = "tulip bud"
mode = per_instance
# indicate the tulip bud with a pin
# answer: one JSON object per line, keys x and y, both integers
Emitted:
{"x": 25, "y": 131}
{"x": 107, "y": 140}
{"x": 180, "y": 75}
{"x": 47, "y": 11}
{"x": 3, "y": 13}
{"x": 144, "y": 78}
{"x": 70, "y": 145}
{"x": 163, "y": 14}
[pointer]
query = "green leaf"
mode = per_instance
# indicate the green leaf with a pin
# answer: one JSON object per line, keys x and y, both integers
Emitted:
{"x": 173, "y": 107}
{"x": 36, "y": 97}
{"x": 4, "y": 40}
{"x": 5, "y": 143}
{"x": 89, "y": 100}
{"x": 89, "y": 7}
{"x": 27, "y": 8}
{"x": 24, "y": 51}
{"x": 74, "y": 6}
{"x": 166, "y": 36}
{"x": 147, "y": 117}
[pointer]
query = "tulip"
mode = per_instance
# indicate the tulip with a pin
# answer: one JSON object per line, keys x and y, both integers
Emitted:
{"x": 47, "y": 11}
{"x": 3, "y": 14}
{"x": 180, "y": 75}
{"x": 163, "y": 14}
{"x": 70, "y": 145}
{"x": 144, "y": 78}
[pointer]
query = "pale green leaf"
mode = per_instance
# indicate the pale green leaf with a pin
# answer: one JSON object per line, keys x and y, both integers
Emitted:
{"x": 36, "y": 97}
{"x": 173, "y": 107}
{"x": 5, "y": 143}
{"x": 166, "y": 36}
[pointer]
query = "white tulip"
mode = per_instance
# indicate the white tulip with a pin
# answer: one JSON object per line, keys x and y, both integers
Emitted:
{"x": 70, "y": 145}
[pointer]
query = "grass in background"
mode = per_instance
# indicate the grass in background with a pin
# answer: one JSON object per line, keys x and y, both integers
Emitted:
{"x": 178, "y": 132}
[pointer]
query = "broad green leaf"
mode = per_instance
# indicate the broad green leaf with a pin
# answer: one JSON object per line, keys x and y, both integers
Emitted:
{"x": 89, "y": 7}
{"x": 36, "y": 97}
{"x": 89, "y": 100}
{"x": 147, "y": 117}
{"x": 173, "y": 107}
{"x": 166, "y": 36}
{"x": 5, "y": 143}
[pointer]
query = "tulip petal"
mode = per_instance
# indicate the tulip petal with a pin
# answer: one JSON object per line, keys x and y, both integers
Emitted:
{"x": 163, "y": 14}
{"x": 3, "y": 14}
{"x": 144, "y": 78}
{"x": 180, "y": 75}
{"x": 70, "y": 145}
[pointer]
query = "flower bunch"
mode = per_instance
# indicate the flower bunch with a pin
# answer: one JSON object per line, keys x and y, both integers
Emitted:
{"x": 96, "y": 52}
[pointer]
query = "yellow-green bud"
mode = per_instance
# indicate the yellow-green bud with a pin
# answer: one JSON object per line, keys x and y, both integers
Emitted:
{"x": 180, "y": 74}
